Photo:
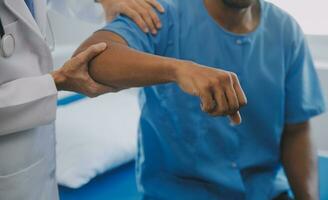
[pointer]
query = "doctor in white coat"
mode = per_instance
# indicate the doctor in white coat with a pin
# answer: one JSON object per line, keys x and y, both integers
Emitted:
{"x": 28, "y": 93}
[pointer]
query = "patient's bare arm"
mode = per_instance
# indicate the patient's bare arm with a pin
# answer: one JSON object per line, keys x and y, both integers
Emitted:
{"x": 122, "y": 67}
{"x": 300, "y": 161}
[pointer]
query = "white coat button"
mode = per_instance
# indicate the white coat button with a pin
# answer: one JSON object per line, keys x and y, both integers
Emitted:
{"x": 234, "y": 165}
{"x": 8, "y": 45}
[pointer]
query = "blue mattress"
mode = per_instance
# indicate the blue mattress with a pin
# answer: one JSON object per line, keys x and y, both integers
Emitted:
{"x": 323, "y": 173}
{"x": 119, "y": 184}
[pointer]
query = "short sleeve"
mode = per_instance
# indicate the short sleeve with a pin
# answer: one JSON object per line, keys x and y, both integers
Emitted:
{"x": 141, "y": 41}
{"x": 304, "y": 97}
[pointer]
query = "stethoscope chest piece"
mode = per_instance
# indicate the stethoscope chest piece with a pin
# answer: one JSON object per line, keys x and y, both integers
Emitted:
{"x": 7, "y": 45}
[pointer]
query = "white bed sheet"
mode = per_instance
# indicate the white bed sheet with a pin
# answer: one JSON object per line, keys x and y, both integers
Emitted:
{"x": 95, "y": 135}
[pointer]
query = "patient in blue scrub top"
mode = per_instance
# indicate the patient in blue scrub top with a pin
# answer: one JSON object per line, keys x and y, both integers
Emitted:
{"x": 186, "y": 154}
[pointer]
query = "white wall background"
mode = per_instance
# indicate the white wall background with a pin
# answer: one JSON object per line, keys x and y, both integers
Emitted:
{"x": 311, "y": 14}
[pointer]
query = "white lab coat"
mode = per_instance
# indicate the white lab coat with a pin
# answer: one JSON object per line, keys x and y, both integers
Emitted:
{"x": 28, "y": 98}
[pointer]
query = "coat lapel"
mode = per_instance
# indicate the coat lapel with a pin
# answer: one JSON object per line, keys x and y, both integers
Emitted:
{"x": 41, "y": 15}
{"x": 19, "y": 8}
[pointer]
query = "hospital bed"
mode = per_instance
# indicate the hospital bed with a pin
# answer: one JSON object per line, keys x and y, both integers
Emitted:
{"x": 117, "y": 184}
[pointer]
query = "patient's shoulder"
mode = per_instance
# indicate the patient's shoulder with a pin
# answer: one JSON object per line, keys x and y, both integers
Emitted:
{"x": 283, "y": 22}
{"x": 170, "y": 6}
{"x": 279, "y": 15}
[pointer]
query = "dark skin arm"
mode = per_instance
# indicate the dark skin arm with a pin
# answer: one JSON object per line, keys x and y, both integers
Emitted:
{"x": 121, "y": 67}
{"x": 299, "y": 159}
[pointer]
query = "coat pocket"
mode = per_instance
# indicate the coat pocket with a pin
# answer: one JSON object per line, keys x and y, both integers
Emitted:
{"x": 27, "y": 184}
{"x": 10, "y": 25}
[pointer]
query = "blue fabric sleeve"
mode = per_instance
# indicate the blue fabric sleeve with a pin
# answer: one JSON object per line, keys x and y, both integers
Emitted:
{"x": 304, "y": 98}
{"x": 146, "y": 42}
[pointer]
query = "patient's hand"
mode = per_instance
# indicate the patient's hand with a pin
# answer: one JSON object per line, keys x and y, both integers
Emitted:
{"x": 140, "y": 11}
{"x": 220, "y": 91}
{"x": 74, "y": 75}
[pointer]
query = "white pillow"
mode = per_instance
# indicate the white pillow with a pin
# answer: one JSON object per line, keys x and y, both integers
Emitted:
{"x": 95, "y": 135}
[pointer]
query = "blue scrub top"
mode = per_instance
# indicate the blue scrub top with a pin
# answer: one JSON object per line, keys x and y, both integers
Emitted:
{"x": 30, "y": 5}
{"x": 185, "y": 154}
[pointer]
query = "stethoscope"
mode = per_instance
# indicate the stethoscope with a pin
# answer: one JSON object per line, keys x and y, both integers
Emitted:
{"x": 7, "y": 42}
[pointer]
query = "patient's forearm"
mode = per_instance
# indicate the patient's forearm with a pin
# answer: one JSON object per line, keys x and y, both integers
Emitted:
{"x": 300, "y": 161}
{"x": 122, "y": 67}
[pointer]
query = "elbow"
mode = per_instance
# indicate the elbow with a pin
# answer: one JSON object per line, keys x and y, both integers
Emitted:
{"x": 101, "y": 74}
{"x": 103, "y": 68}
{"x": 98, "y": 72}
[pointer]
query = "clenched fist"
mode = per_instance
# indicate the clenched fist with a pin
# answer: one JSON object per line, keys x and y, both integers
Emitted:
{"x": 220, "y": 91}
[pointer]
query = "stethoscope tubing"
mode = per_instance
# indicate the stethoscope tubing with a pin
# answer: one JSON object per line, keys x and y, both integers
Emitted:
{"x": 2, "y": 30}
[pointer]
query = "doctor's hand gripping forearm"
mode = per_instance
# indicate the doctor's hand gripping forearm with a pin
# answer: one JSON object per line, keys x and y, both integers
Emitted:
{"x": 74, "y": 75}
{"x": 121, "y": 67}
{"x": 140, "y": 11}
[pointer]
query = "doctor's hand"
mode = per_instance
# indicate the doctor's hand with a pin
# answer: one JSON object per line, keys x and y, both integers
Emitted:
{"x": 74, "y": 75}
{"x": 140, "y": 11}
{"x": 220, "y": 91}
